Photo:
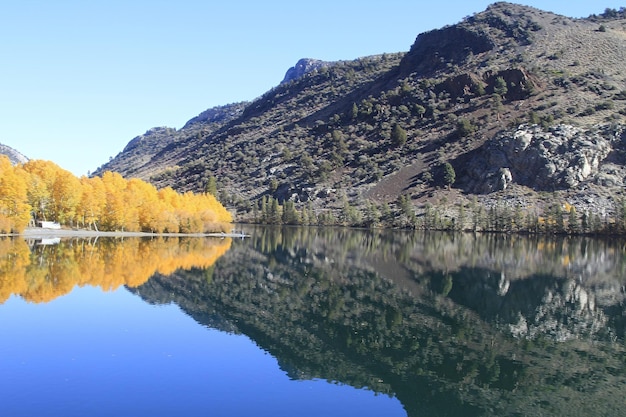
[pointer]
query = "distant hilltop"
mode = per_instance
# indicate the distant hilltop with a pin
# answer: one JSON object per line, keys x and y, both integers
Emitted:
{"x": 302, "y": 67}
{"x": 14, "y": 156}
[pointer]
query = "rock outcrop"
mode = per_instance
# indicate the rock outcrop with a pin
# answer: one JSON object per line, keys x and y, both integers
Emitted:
{"x": 560, "y": 157}
{"x": 14, "y": 156}
{"x": 302, "y": 67}
{"x": 218, "y": 114}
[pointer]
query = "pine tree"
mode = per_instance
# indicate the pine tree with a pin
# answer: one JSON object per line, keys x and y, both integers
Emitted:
{"x": 500, "y": 87}
{"x": 572, "y": 221}
{"x": 211, "y": 186}
{"x": 354, "y": 111}
{"x": 398, "y": 135}
{"x": 449, "y": 176}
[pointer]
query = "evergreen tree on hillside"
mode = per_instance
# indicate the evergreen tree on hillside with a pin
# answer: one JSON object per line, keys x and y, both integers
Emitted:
{"x": 398, "y": 135}
{"x": 449, "y": 175}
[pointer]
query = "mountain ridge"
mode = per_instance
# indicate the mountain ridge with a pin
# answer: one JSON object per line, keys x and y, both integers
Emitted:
{"x": 14, "y": 155}
{"x": 368, "y": 132}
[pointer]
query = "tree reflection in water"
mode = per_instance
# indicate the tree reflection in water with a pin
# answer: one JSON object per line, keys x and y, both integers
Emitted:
{"x": 450, "y": 324}
{"x": 40, "y": 273}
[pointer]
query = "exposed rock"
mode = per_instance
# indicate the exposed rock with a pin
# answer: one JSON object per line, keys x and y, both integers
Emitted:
{"x": 438, "y": 48}
{"x": 14, "y": 156}
{"x": 461, "y": 85}
{"x": 302, "y": 67}
{"x": 568, "y": 312}
{"x": 558, "y": 158}
{"x": 520, "y": 84}
{"x": 218, "y": 114}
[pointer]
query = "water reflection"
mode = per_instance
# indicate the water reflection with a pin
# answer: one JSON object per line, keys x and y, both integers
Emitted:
{"x": 449, "y": 324}
{"x": 42, "y": 270}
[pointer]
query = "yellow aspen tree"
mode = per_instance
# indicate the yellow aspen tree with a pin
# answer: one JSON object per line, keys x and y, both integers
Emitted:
{"x": 115, "y": 210}
{"x": 92, "y": 202}
{"x": 66, "y": 195}
{"x": 54, "y": 191}
{"x": 146, "y": 202}
{"x": 172, "y": 202}
{"x": 39, "y": 197}
{"x": 14, "y": 207}
{"x": 43, "y": 175}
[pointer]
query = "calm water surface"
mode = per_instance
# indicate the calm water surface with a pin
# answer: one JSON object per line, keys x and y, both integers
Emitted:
{"x": 313, "y": 322}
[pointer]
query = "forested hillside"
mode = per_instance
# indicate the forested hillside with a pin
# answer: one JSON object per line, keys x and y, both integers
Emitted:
{"x": 512, "y": 119}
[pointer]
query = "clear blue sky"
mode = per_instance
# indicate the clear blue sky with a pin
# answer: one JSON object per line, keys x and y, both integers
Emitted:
{"x": 79, "y": 79}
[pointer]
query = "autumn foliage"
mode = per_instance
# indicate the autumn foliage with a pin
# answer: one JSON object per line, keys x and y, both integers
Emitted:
{"x": 46, "y": 272}
{"x": 41, "y": 190}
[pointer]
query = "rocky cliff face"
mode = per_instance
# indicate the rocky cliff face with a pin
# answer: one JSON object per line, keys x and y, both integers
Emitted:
{"x": 302, "y": 67}
{"x": 559, "y": 157}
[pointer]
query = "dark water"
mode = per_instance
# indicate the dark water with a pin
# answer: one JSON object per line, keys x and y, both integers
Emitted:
{"x": 313, "y": 322}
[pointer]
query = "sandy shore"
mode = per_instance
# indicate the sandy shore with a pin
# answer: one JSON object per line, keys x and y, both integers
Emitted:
{"x": 39, "y": 233}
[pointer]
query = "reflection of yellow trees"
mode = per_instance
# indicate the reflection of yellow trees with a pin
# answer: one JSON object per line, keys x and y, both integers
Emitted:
{"x": 14, "y": 258}
{"x": 48, "y": 272}
{"x": 48, "y": 192}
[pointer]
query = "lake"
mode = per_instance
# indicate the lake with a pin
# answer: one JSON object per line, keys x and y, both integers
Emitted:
{"x": 311, "y": 322}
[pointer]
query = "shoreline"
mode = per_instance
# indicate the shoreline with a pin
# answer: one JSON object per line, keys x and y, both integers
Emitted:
{"x": 39, "y": 233}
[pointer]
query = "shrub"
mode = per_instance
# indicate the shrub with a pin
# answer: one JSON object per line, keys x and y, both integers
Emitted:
{"x": 464, "y": 128}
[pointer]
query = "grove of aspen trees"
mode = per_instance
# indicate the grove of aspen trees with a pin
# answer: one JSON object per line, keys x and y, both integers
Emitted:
{"x": 40, "y": 190}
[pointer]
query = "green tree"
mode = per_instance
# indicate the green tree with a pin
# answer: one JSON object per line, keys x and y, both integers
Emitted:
{"x": 372, "y": 214}
{"x": 290, "y": 214}
{"x": 464, "y": 128}
{"x": 420, "y": 110}
{"x": 273, "y": 186}
{"x": 274, "y": 214}
{"x": 500, "y": 87}
{"x": 354, "y": 111}
{"x": 518, "y": 218}
{"x": 449, "y": 175}
{"x": 584, "y": 222}
{"x": 496, "y": 102}
{"x": 398, "y": 135}
{"x": 572, "y": 221}
{"x": 339, "y": 144}
{"x": 406, "y": 206}
{"x": 534, "y": 118}
{"x": 211, "y": 186}
{"x": 480, "y": 89}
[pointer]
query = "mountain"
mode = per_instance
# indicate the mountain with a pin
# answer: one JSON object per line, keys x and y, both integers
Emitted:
{"x": 513, "y": 107}
{"x": 14, "y": 156}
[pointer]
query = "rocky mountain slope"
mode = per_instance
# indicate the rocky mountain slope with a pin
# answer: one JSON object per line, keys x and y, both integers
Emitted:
{"x": 518, "y": 101}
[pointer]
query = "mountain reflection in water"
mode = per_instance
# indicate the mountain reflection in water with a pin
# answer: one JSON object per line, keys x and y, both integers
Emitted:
{"x": 449, "y": 324}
